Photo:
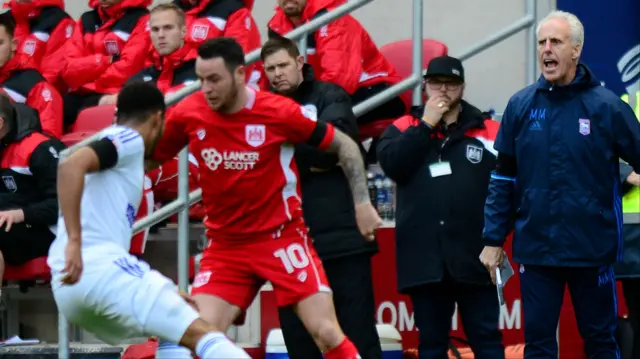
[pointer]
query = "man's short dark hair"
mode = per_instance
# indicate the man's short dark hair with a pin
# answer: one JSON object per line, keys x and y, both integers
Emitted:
{"x": 276, "y": 44}
{"x": 137, "y": 101}
{"x": 7, "y": 111}
{"x": 224, "y": 47}
{"x": 9, "y": 24}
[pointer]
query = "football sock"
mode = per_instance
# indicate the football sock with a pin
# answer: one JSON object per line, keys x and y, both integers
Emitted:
{"x": 168, "y": 350}
{"x": 216, "y": 345}
{"x": 345, "y": 350}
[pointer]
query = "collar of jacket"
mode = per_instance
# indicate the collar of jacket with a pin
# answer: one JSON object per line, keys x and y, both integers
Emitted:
{"x": 26, "y": 122}
{"x": 308, "y": 78}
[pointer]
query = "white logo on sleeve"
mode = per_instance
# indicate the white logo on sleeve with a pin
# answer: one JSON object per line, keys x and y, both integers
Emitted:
{"x": 310, "y": 111}
{"x": 46, "y": 95}
{"x": 53, "y": 152}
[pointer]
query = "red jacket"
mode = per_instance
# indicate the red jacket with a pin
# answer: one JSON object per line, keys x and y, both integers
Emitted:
{"x": 42, "y": 29}
{"x": 341, "y": 52}
{"x": 230, "y": 18}
{"x": 107, "y": 46}
{"x": 171, "y": 72}
{"x": 21, "y": 80}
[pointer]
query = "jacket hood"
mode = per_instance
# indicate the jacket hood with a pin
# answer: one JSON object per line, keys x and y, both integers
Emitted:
{"x": 26, "y": 122}
{"x": 19, "y": 61}
{"x": 312, "y": 8}
{"x": 174, "y": 59}
{"x": 24, "y": 11}
{"x": 116, "y": 10}
{"x": 585, "y": 79}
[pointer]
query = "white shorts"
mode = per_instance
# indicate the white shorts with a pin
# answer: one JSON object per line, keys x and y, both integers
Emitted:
{"x": 123, "y": 298}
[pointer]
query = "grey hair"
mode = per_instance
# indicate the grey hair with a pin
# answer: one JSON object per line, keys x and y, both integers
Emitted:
{"x": 577, "y": 29}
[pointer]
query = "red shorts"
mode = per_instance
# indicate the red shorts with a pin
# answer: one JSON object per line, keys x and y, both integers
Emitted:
{"x": 236, "y": 271}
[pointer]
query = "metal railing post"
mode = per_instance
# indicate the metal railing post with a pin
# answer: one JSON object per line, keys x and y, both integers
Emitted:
{"x": 63, "y": 337}
{"x": 417, "y": 51}
{"x": 532, "y": 41}
{"x": 302, "y": 47}
{"x": 183, "y": 220}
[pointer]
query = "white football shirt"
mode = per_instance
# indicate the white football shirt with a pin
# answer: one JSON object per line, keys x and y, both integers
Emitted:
{"x": 109, "y": 203}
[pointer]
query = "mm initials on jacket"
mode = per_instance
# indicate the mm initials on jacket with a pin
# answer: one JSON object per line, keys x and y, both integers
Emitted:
{"x": 537, "y": 116}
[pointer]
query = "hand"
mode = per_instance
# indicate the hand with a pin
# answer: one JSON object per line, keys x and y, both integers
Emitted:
{"x": 72, "y": 263}
{"x": 435, "y": 107}
{"x": 187, "y": 298}
{"x": 368, "y": 220}
{"x": 634, "y": 179}
{"x": 492, "y": 258}
{"x": 11, "y": 217}
{"x": 108, "y": 100}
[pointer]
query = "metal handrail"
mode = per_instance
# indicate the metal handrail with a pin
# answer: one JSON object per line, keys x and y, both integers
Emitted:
{"x": 527, "y": 22}
{"x": 250, "y": 58}
{"x": 185, "y": 199}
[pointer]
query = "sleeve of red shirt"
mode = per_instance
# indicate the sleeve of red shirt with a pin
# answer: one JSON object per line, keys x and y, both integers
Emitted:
{"x": 54, "y": 56}
{"x": 242, "y": 27}
{"x": 45, "y": 99}
{"x": 339, "y": 49}
{"x": 132, "y": 57}
{"x": 81, "y": 66}
{"x": 302, "y": 126}
{"x": 174, "y": 138}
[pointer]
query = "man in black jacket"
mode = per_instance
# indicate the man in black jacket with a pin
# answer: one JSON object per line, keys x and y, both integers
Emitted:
{"x": 327, "y": 206}
{"x": 28, "y": 200}
{"x": 441, "y": 157}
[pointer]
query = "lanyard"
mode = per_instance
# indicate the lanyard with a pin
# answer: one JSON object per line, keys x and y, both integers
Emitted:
{"x": 444, "y": 143}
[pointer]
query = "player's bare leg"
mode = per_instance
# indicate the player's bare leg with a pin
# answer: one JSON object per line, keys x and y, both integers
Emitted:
{"x": 318, "y": 315}
{"x": 207, "y": 341}
{"x": 217, "y": 311}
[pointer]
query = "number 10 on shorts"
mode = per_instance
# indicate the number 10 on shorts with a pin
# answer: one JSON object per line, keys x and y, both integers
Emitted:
{"x": 293, "y": 257}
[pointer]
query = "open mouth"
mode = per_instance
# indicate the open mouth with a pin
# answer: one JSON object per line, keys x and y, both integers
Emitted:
{"x": 550, "y": 64}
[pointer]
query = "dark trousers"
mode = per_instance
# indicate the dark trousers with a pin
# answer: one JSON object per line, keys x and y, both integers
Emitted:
{"x": 352, "y": 285}
{"x": 631, "y": 291}
{"x": 24, "y": 243}
{"x": 593, "y": 293}
{"x": 434, "y": 306}
{"x": 75, "y": 102}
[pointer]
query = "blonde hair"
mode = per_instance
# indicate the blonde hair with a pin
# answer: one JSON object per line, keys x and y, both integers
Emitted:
{"x": 171, "y": 7}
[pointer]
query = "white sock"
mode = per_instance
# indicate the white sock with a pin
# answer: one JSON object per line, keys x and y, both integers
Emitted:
{"x": 168, "y": 350}
{"x": 216, "y": 345}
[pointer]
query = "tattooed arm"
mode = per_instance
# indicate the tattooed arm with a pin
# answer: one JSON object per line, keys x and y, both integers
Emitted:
{"x": 350, "y": 159}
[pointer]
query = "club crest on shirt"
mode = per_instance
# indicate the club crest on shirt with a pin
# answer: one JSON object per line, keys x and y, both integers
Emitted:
{"x": 29, "y": 47}
{"x": 199, "y": 32}
{"x": 10, "y": 183}
{"x": 474, "y": 153}
{"x": 585, "y": 126}
{"x": 112, "y": 47}
{"x": 255, "y": 134}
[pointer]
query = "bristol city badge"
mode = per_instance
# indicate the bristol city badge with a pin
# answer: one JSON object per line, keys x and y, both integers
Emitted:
{"x": 255, "y": 134}
{"x": 474, "y": 154}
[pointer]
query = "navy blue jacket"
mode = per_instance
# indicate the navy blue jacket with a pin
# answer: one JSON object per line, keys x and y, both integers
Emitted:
{"x": 564, "y": 202}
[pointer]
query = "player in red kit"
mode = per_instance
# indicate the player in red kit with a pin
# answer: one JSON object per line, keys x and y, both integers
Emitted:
{"x": 243, "y": 141}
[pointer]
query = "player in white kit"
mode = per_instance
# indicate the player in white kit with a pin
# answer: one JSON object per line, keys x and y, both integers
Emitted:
{"x": 96, "y": 283}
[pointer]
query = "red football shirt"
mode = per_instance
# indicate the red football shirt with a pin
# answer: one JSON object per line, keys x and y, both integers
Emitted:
{"x": 248, "y": 177}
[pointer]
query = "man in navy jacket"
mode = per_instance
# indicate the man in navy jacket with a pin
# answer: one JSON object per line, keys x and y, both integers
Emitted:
{"x": 557, "y": 182}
